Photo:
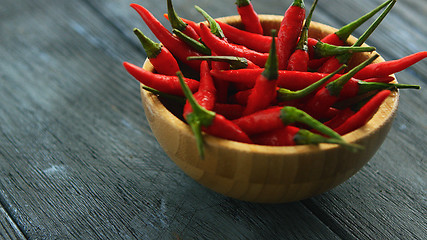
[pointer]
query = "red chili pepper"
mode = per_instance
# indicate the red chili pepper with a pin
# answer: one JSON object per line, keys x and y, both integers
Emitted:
{"x": 290, "y": 136}
{"x": 249, "y": 17}
{"x": 340, "y": 37}
{"x": 206, "y": 94}
{"x": 358, "y": 87}
{"x": 292, "y": 80}
{"x": 162, "y": 83}
{"x": 289, "y": 31}
{"x": 160, "y": 57}
{"x": 386, "y": 68}
{"x": 264, "y": 91}
{"x": 365, "y": 113}
{"x": 261, "y": 121}
{"x": 210, "y": 122}
{"x": 277, "y": 117}
{"x": 178, "y": 23}
{"x": 327, "y": 96}
{"x": 222, "y": 47}
{"x": 284, "y": 94}
{"x": 340, "y": 117}
{"x": 298, "y": 60}
{"x": 334, "y": 62}
{"x": 178, "y": 48}
{"x": 257, "y": 42}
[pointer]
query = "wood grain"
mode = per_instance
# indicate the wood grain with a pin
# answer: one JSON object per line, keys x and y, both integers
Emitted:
{"x": 78, "y": 160}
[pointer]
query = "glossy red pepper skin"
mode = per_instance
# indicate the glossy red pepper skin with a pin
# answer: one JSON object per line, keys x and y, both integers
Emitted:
{"x": 160, "y": 57}
{"x": 386, "y": 68}
{"x": 229, "y": 111}
{"x": 365, "y": 113}
{"x": 289, "y": 32}
{"x": 224, "y": 128}
{"x": 163, "y": 83}
{"x": 249, "y": 17}
{"x": 206, "y": 93}
{"x": 178, "y": 48}
{"x": 339, "y": 118}
{"x": 261, "y": 121}
{"x": 259, "y": 43}
{"x": 222, "y": 47}
{"x": 283, "y": 136}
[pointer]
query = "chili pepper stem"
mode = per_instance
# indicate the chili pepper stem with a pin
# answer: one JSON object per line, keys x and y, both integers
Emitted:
{"x": 235, "y": 62}
{"x": 369, "y": 86}
{"x": 290, "y": 115}
{"x": 214, "y": 26}
{"x": 306, "y": 137}
{"x": 175, "y": 98}
{"x": 344, "y": 32}
{"x": 198, "y": 117}
{"x": 335, "y": 87}
{"x": 196, "y": 45}
{"x": 284, "y": 94}
{"x": 174, "y": 19}
{"x": 152, "y": 49}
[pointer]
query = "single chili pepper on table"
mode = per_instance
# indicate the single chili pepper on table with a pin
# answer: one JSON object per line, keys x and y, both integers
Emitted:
{"x": 264, "y": 91}
{"x": 289, "y": 31}
{"x": 333, "y": 63}
{"x": 257, "y": 42}
{"x": 291, "y": 136}
{"x": 162, "y": 60}
{"x": 162, "y": 83}
{"x": 327, "y": 96}
{"x": 386, "y": 68}
{"x": 362, "y": 116}
{"x": 178, "y": 23}
{"x": 249, "y": 17}
{"x": 210, "y": 122}
{"x": 298, "y": 60}
{"x": 178, "y": 48}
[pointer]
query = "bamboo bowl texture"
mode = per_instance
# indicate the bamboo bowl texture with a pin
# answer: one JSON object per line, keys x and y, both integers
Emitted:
{"x": 268, "y": 174}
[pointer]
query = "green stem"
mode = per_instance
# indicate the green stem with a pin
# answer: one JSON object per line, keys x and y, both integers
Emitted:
{"x": 198, "y": 46}
{"x": 151, "y": 48}
{"x": 326, "y": 50}
{"x": 198, "y": 117}
{"x": 335, "y": 86}
{"x": 284, "y": 94}
{"x": 304, "y": 136}
{"x": 271, "y": 68}
{"x": 214, "y": 26}
{"x": 174, "y": 19}
{"x": 344, "y": 58}
{"x": 235, "y": 62}
{"x": 174, "y": 98}
{"x": 298, "y": 3}
{"x": 344, "y": 32}
{"x": 290, "y": 115}
{"x": 365, "y": 87}
{"x": 242, "y": 3}
{"x": 302, "y": 42}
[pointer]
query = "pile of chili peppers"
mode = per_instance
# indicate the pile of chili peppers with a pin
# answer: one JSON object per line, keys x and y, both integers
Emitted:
{"x": 276, "y": 88}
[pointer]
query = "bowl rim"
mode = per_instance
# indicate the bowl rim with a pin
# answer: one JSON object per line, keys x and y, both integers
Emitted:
{"x": 385, "y": 113}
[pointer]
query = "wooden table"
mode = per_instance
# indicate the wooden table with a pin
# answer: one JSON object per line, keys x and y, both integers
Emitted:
{"x": 78, "y": 159}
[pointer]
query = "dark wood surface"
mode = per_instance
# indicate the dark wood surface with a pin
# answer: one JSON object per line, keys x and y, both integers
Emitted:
{"x": 78, "y": 159}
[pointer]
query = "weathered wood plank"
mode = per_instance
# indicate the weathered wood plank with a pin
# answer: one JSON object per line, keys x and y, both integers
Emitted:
{"x": 8, "y": 228}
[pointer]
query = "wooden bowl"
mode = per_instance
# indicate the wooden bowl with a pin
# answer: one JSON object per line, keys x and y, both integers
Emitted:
{"x": 265, "y": 173}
